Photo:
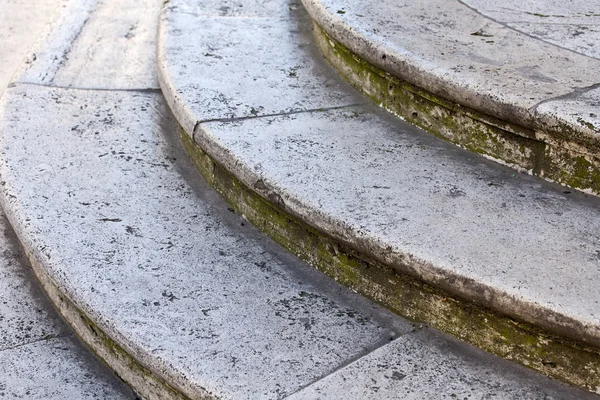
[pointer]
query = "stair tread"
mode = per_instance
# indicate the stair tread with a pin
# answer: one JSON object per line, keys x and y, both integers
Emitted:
{"x": 458, "y": 221}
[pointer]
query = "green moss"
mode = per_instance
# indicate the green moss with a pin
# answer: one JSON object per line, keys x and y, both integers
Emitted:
{"x": 586, "y": 124}
{"x": 476, "y": 131}
{"x": 405, "y": 295}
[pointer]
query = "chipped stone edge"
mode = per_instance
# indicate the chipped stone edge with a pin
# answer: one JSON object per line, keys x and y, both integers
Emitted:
{"x": 544, "y": 145}
{"x": 532, "y": 346}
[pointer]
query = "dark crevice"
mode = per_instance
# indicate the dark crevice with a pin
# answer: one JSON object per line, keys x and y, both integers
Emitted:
{"x": 34, "y": 341}
{"x": 365, "y": 353}
{"x": 281, "y": 114}
{"x": 91, "y": 89}
{"x": 567, "y": 96}
{"x": 523, "y": 33}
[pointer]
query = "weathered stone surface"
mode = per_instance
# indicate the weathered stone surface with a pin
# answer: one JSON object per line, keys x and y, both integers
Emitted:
{"x": 437, "y": 68}
{"x": 21, "y": 21}
{"x": 219, "y": 76}
{"x": 456, "y": 220}
{"x": 579, "y": 110}
{"x": 234, "y": 8}
{"x": 56, "y": 369}
{"x": 91, "y": 45}
{"x": 452, "y": 51}
{"x": 24, "y": 315}
{"x": 39, "y": 356}
{"x": 574, "y": 25}
{"x": 425, "y": 365}
{"x": 168, "y": 275}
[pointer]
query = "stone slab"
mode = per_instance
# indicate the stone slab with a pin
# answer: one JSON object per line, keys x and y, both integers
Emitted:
{"x": 579, "y": 110}
{"x": 235, "y": 8}
{"x": 25, "y": 316}
{"x": 21, "y": 22}
{"x": 219, "y": 77}
{"x": 105, "y": 44}
{"x": 459, "y": 54}
{"x": 56, "y": 369}
{"x": 574, "y": 25}
{"x": 426, "y": 365}
{"x": 456, "y": 220}
{"x": 170, "y": 276}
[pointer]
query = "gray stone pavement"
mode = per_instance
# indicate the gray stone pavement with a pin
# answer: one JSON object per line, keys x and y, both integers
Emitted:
{"x": 40, "y": 357}
{"x": 21, "y": 22}
{"x": 157, "y": 260}
{"x": 573, "y": 25}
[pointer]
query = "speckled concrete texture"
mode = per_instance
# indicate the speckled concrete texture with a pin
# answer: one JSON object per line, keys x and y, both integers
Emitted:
{"x": 21, "y": 22}
{"x": 101, "y": 205}
{"x": 456, "y": 220}
{"x": 582, "y": 109}
{"x": 426, "y": 365}
{"x": 285, "y": 80}
{"x": 574, "y": 25}
{"x": 115, "y": 218}
{"x": 39, "y": 357}
{"x": 459, "y": 54}
{"x": 104, "y": 44}
{"x": 459, "y": 222}
{"x": 25, "y": 316}
{"x": 56, "y": 369}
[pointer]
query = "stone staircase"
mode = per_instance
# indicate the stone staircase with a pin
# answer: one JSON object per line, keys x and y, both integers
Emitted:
{"x": 184, "y": 298}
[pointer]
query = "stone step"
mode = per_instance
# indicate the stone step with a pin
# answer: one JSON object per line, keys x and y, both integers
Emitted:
{"x": 517, "y": 83}
{"x": 178, "y": 294}
{"x": 436, "y": 233}
{"x": 40, "y": 357}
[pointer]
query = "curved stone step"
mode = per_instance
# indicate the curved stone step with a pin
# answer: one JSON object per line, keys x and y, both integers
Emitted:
{"x": 178, "y": 294}
{"x": 497, "y": 258}
{"x": 40, "y": 357}
{"x": 476, "y": 80}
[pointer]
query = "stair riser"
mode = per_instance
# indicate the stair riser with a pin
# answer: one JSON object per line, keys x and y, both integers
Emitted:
{"x": 540, "y": 150}
{"x": 555, "y": 356}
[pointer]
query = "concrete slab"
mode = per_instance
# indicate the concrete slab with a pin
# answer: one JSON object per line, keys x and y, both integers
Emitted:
{"x": 40, "y": 357}
{"x": 426, "y": 365}
{"x": 455, "y": 220}
{"x": 574, "y": 25}
{"x": 190, "y": 294}
{"x": 207, "y": 73}
{"x": 25, "y": 315}
{"x": 21, "y": 22}
{"x": 57, "y": 369}
{"x": 579, "y": 110}
{"x": 452, "y": 51}
{"x": 234, "y": 8}
{"x": 104, "y": 44}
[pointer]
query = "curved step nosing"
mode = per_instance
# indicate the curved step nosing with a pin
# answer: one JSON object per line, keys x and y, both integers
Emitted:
{"x": 424, "y": 302}
{"x": 487, "y": 296}
{"x": 142, "y": 379}
{"x": 561, "y": 151}
{"x": 419, "y": 76}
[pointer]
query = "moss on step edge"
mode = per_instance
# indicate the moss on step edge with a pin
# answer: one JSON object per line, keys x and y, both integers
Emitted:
{"x": 554, "y": 158}
{"x": 143, "y": 381}
{"x": 524, "y": 343}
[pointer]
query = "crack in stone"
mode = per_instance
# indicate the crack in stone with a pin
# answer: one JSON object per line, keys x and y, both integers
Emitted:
{"x": 567, "y": 96}
{"x": 236, "y": 119}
